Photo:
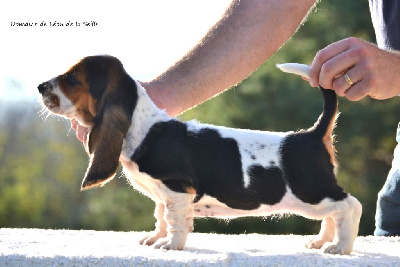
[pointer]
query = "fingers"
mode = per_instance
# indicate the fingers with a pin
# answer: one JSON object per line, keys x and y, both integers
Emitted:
{"x": 324, "y": 57}
{"x": 341, "y": 85}
{"x": 357, "y": 92}
{"x": 355, "y": 68}
{"x": 81, "y": 132}
{"x": 360, "y": 83}
{"x": 332, "y": 61}
{"x": 74, "y": 124}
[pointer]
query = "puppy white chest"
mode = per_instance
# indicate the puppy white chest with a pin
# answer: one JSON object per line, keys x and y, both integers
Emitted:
{"x": 145, "y": 184}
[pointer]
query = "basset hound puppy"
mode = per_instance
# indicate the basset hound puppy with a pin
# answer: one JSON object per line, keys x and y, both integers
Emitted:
{"x": 191, "y": 169}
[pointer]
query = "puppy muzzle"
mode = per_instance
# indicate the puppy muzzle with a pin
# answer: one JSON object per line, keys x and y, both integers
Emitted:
{"x": 49, "y": 98}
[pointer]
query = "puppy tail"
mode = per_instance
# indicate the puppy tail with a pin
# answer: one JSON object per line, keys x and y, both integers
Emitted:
{"x": 323, "y": 128}
{"x": 295, "y": 68}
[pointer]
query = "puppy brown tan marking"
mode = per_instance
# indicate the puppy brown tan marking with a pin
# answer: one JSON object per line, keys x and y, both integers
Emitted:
{"x": 191, "y": 169}
{"x": 94, "y": 92}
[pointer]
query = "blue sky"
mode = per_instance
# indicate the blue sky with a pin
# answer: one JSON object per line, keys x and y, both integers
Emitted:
{"x": 147, "y": 36}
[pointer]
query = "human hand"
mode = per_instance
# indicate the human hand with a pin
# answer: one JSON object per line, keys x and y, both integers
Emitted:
{"x": 371, "y": 70}
{"x": 81, "y": 132}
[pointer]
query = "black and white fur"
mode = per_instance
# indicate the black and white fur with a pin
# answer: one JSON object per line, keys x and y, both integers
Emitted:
{"x": 192, "y": 170}
{"x": 234, "y": 173}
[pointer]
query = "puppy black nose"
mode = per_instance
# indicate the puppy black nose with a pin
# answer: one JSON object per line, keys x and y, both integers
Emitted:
{"x": 44, "y": 86}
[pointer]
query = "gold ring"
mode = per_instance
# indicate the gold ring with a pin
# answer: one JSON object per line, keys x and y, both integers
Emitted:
{"x": 348, "y": 80}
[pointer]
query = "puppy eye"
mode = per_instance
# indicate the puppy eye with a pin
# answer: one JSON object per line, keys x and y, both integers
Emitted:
{"x": 71, "y": 80}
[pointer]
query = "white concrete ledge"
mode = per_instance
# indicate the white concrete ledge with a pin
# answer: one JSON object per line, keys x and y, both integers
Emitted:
{"x": 34, "y": 247}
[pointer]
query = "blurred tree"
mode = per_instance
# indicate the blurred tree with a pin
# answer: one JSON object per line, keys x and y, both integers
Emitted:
{"x": 41, "y": 168}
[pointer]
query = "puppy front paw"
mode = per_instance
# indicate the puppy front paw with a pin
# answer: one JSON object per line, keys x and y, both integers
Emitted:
{"x": 174, "y": 241}
{"x": 315, "y": 243}
{"x": 152, "y": 238}
{"x": 319, "y": 241}
{"x": 337, "y": 249}
{"x": 326, "y": 234}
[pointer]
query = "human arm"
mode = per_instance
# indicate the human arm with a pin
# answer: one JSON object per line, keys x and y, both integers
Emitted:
{"x": 375, "y": 72}
{"x": 246, "y": 36}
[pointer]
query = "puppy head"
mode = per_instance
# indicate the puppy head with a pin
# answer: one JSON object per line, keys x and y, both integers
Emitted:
{"x": 99, "y": 94}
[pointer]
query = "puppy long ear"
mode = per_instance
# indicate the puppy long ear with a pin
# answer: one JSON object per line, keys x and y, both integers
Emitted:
{"x": 111, "y": 124}
{"x": 105, "y": 144}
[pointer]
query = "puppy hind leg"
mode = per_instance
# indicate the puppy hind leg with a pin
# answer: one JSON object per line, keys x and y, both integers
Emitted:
{"x": 326, "y": 234}
{"x": 347, "y": 221}
{"x": 179, "y": 218}
{"x": 161, "y": 227}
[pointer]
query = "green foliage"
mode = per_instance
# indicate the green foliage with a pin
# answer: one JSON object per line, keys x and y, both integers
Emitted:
{"x": 41, "y": 169}
{"x": 42, "y": 163}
